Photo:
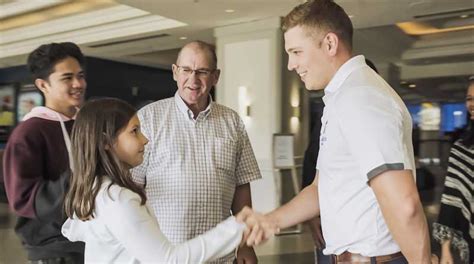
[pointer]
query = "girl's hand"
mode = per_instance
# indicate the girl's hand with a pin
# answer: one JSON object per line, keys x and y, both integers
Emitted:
{"x": 242, "y": 216}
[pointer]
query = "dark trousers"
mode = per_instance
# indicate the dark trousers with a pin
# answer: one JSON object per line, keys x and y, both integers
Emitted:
{"x": 319, "y": 257}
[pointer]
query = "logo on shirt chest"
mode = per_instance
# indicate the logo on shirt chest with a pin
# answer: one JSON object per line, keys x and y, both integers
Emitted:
{"x": 323, "y": 138}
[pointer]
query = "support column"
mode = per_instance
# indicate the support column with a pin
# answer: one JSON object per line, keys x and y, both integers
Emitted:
{"x": 253, "y": 72}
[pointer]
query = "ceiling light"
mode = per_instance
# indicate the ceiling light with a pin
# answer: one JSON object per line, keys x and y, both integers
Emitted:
{"x": 183, "y": 38}
{"x": 403, "y": 82}
{"x": 464, "y": 16}
{"x": 229, "y": 10}
{"x": 15, "y": 8}
{"x": 54, "y": 12}
{"x": 412, "y": 85}
{"x": 420, "y": 28}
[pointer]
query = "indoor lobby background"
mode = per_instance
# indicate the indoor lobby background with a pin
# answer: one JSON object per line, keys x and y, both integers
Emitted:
{"x": 423, "y": 48}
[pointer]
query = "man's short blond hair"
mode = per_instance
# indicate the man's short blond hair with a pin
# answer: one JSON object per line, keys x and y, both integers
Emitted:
{"x": 321, "y": 16}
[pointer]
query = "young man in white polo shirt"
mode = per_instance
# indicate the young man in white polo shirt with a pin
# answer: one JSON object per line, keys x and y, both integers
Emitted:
{"x": 364, "y": 187}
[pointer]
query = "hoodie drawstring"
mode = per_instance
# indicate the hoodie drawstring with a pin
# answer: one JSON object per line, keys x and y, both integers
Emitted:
{"x": 67, "y": 140}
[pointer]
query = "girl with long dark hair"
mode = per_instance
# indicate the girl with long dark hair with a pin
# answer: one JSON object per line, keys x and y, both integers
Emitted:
{"x": 108, "y": 211}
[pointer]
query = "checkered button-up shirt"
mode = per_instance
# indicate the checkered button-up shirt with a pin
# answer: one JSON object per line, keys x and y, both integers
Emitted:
{"x": 192, "y": 166}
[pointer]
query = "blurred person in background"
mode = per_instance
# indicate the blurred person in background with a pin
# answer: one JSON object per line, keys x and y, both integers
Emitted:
{"x": 454, "y": 228}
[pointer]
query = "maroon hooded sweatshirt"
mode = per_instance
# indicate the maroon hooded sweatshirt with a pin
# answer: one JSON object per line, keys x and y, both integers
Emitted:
{"x": 36, "y": 174}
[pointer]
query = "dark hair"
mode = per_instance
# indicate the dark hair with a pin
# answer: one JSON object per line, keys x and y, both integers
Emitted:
{"x": 203, "y": 46}
{"x": 97, "y": 126}
{"x": 467, "y": 138}
{"x": 42, "y": 60}
{"x": 323, "y": 15}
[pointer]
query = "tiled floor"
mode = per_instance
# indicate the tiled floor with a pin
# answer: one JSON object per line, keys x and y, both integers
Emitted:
{"x": 293, "y": 248}
{"x": 11, "y": 251}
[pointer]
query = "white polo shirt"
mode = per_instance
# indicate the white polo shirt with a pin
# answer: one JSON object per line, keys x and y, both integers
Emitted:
{"x": 366, "y": 130}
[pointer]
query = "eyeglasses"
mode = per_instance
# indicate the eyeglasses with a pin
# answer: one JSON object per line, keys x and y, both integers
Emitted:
{"x": 186, "y": 71}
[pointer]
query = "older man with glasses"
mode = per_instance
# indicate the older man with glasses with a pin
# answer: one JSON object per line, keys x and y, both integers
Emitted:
{"x": 199, "y": 162}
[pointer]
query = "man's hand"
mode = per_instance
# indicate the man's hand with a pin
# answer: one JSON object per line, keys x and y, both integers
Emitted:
{"x": 262, "y": 228}
{"x": 259, "y": 227}
{"x": 246, "y": 255}
{"x": 316, "y": 232}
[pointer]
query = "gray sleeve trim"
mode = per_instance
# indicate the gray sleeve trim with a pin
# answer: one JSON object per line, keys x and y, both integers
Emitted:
{"x": 383, "y": 168}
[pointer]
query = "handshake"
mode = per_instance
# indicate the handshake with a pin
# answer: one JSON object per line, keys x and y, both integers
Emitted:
{"x": 259, "y": 227}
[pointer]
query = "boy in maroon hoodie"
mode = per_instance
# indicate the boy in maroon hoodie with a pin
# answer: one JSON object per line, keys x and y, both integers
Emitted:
{"x": 36, "y": 163}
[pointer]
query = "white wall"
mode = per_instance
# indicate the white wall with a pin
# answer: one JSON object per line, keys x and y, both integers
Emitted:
{"x": 253, "y": 73}
{"x": 248, "y": 56}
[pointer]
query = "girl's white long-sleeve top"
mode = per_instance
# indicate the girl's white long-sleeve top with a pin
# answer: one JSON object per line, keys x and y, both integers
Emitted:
{"x": 123, "y": 231}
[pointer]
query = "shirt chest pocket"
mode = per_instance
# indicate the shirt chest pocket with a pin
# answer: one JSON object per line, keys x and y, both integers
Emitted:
{"x": 224, "y": 154}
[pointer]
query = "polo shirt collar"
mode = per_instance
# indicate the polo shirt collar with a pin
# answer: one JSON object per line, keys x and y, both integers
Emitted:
{"x": 341, "y": 75}
{"x": 184, "y": 109}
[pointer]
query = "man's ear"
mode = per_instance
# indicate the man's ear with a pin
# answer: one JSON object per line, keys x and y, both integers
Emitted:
{"x": 174, "y": 68}
{"x": 217, "y": 74}
{"x": 331, "y": 43}
{"x": 42, "y": 85}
